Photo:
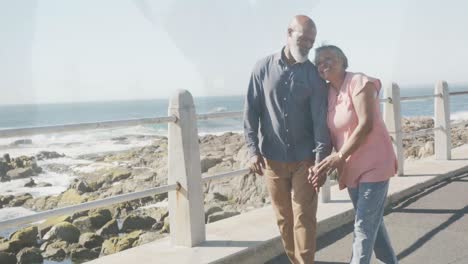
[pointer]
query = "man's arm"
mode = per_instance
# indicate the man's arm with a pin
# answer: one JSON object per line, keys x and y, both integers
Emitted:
{"x": 319, "y": 111}
{"x": 252, "y": 112}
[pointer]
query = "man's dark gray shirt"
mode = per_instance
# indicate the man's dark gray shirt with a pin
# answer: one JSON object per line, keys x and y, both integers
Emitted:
{"x": 285, "y": 115}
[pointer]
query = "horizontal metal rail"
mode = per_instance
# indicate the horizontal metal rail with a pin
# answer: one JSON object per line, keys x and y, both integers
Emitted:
{"x": 231, "y": 174}
{"x": 463, "y": 123}
{"x": 15, "y": 222}
{"x": 220, "y": 115}
{"x": 459, "y": 93}
{"x": 421, "y": 97}
{"x": 28, "y": 131}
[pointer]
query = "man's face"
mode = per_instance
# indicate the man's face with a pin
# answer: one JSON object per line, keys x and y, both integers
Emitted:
{"x": 303, "y": 40}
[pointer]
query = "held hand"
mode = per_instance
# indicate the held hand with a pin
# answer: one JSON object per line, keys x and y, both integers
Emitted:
{"x": 317, "y": 180}
{"x": 328, "y": 164}
{"x": 257, "y": 164}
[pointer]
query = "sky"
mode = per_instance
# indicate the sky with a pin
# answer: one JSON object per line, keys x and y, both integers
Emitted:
{"x": 100, "y": 50}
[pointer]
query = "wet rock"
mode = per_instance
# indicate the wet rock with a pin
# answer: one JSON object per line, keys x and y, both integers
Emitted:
{"x": 21, "y": 142}
{"x": 63, "y": 231}
{"x": 43, "y": 155}
{"x": 20, "y": 199}
{"x": 111, "y": 228}
{"x": 29, "y": 256}
{"x": 4, "y": 167}
{"x": 209, "y": 162}
{"x": 6, "y": 158}
{"x": 43, "y": 184}
{"x": 216, "y": 196}
{"x": 81, "y": 187}
{"x": 26, "y": 237}
{"x": 20, "y": 173}
{"x": 7, "y": 258}
{"x": 30, "y": 183}
{"x": 134, "y": 222}
{"x": 221, "y": 215}
{"x": 90, "y": 240}
{"x": 120, "y": 174}
{"x": 211, "y": 210}
{"x": 5, "y": 200}
{"x": 54, "y": 251}
{"x": 83, "y": 254}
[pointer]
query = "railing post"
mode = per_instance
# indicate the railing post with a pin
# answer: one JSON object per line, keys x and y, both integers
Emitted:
{"x": 392, "y": 119}
{"x": 442, "y": 135}
{"x": 186, "y": 209}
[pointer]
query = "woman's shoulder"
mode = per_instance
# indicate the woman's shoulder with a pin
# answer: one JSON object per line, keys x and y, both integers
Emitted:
{"x": 358, "y": 80}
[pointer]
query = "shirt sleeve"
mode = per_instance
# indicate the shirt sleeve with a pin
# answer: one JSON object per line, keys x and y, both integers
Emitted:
{"x": 360, "y": 80}
{"x": 252, "y": 112}
{"x": 319, "y": 111}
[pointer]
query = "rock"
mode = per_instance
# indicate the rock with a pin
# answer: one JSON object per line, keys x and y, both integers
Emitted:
{"x": 29, "y": 256}
{"x": 43, "y": 155}
{"x": 7, "y": 158}
{"x": 157, "y": 226}
{"x": 4, "y": 167}
{"x": 5, "y": 200}
{"x": 5, "y": 178}
{"x": 111, "y": 228}
{"x": 209, "y": 162}
{"x": 221, "y": 215}
{"x": 63, "y": 231}
{"x": 54, "y": 251}
{"x": 83, "y": 254}
{"x": 43, "y": 184}
{"x": 21, "y": 142}
{"x": 20, "y": 199}
{"x": 70, "y": 197}
{"x": 81, "y": 187}
{"x": 31, "y": 183}
{"x": 50, "y": 222}
{"x": 90, "y": 240}
{"x": 120, "y": 174}
{"x": 109, "y": 246}
{"x": 117, "y": 244}
{"x": 20, "y": 173}
{"x": 93, "y": 221}
{"x": 106, "y": 213}
{"x": 26, "y": 237}
{"x": 7, "y": 258}
{"x": 216, "y": 196}
{"x": 134, "y": 222}
{"x": 10, "y": 246}
{"x": 167, "y": 226}
{"x": 211, "y": 210}
{"x": 148, "y": 237}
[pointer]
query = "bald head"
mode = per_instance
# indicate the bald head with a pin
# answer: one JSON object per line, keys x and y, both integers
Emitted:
{"x": 302, "y": 23}
{"x": 301, "y": 37}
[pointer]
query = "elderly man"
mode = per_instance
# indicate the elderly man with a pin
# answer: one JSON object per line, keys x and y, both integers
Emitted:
{"x": 284, "y": 121}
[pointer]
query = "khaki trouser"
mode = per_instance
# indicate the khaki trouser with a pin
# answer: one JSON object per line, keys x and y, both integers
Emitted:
{"x": 295, "y": 203}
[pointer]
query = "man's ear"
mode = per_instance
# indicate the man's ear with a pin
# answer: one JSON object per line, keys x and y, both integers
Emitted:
{"x": 290, "y": 31}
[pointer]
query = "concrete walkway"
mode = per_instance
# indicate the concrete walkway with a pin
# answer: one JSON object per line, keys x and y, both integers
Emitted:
{"x": 253, "y": 237}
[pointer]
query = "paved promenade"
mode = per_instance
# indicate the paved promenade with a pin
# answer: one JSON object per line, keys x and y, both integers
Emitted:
{"x": 253, "y": 237}
{"x": 430, "y": 227}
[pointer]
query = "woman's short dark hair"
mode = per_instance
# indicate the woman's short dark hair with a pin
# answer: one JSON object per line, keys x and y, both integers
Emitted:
{"x": 335, "y": 49}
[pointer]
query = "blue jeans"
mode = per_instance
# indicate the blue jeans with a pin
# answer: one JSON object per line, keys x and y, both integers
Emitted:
{"x": 369, "y": 229}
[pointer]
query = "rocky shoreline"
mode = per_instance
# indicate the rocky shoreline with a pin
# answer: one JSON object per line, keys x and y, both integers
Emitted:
{"x": 87, "y": 235}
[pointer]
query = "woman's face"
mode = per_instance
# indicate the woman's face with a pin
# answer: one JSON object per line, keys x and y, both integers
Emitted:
{"x": 329, "y": 65}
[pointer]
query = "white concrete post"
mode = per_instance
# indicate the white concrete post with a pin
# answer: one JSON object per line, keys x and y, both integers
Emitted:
{"x": 186, "y": 210}
{"x": 442, "y": 135}
{"x": 392, "y": 119}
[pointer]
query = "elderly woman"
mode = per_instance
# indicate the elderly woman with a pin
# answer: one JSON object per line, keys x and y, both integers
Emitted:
{"x": 364, "y": 154}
